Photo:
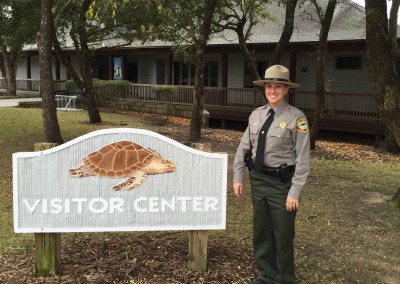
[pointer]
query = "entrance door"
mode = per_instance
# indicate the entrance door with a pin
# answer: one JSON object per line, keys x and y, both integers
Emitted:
{"x": 132, "y": 72}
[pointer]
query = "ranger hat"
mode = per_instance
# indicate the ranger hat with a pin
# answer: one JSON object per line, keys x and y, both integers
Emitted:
{"x": 276, "y": 74}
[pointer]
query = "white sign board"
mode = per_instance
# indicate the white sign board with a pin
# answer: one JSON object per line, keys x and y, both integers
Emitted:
{"x": 119, "y": 180}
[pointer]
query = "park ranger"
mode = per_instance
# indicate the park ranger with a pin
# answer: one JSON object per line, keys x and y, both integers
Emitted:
{"x": 276, "y": 149}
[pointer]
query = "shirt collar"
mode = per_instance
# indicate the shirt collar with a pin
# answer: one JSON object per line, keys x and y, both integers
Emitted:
{"x": 279, "y": 109}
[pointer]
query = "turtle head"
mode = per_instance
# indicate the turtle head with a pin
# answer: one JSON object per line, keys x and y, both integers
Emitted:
{"x": 159, "y": 166}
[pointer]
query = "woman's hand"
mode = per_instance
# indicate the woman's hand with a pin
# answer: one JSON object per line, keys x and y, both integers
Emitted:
{"x": 238, "y": 188}
{"x": 292, "y": 204}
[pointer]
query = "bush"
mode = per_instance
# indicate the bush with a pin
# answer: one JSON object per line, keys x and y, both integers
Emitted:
{"x": 110, "y": 89}
{"x": 104, "y": 89}
{"x": 164, "y": 93}
{"x": 72, "y": 89}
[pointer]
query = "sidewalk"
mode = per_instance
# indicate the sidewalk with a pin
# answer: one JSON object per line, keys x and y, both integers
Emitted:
{"x": 15, "y": 102}
{"x": 22, "y": 96}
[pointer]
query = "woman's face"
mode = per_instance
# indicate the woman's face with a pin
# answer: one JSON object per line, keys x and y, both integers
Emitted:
{"x": 275, "y": 93}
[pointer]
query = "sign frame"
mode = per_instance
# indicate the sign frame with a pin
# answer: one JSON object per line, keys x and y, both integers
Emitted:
{"x": 215, "y": 164}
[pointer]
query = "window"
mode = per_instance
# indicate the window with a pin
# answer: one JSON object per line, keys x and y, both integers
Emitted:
{"x": 185, "y": 76}
{"x": 101, "y": 67}
{"x": 348, "y": 62}
{"x": 261, "y": 67}
{"x": 160, "y": 71}
{"x": 211, "y": 74}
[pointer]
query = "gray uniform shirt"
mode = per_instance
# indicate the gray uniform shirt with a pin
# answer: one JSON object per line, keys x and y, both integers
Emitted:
{"x": 288, "y": 141}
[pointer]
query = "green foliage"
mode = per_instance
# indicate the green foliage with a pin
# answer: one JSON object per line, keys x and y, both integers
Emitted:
{"x": 72, "y": 89}
{"x": 165, "y": 93}
{"x": 20, "y": 21}
{"x": 104, "y": 89}
{"x": 110, "y": 89}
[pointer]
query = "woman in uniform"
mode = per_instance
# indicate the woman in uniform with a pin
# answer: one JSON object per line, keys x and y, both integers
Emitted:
{"x": 276, "y": 149}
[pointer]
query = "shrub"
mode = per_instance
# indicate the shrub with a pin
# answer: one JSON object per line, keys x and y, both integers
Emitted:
{"x": 104, "y": 89}
{"x": 72, "y": 89}
{"x": 164, "y": 93}
{"x": 110, "y": 89}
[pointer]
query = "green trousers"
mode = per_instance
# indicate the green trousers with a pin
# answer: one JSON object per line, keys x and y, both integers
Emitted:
{"x": 273, "y": 229}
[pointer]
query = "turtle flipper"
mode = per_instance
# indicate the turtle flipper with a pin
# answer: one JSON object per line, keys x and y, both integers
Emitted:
{"x": 134, "y": 181}
{"x": 81, "y": 171}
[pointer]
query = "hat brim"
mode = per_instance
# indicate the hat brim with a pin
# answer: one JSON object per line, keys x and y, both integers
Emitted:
{"x": 262, "y": 83}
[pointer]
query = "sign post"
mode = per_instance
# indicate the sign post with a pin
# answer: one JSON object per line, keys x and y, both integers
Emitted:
{"x": 47, "y": 245}
{"x": 198, "y": 239}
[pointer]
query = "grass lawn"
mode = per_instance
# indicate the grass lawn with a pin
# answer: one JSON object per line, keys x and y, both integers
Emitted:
{"x": 347, "y": 232}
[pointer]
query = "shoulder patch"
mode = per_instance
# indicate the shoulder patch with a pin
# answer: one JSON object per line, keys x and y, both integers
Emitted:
{"x": 302, "y": 125}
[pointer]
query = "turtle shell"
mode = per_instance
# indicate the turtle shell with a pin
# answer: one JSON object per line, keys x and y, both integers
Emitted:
{"x": 118, "y": 159}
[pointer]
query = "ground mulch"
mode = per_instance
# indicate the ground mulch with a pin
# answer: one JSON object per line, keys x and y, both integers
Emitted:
{"x": 161, "y": 257}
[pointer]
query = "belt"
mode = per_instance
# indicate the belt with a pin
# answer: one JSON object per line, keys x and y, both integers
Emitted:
{"x": 274, "y": 171}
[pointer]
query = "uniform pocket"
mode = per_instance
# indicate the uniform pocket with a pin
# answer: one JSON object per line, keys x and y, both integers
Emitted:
{"x": 254, "y": 129}
{"x": 281, "y": 138}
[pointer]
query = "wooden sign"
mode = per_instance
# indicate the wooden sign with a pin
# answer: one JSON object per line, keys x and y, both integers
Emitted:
{"x": 119, "y": 180}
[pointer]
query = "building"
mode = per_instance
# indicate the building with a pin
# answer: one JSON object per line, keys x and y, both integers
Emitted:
{"x": 346, "y": 73}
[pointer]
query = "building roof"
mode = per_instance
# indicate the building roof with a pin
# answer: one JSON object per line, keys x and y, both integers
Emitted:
{"x": 348, "y": 24}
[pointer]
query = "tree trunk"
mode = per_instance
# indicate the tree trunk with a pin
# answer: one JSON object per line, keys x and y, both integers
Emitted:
{"x": 381, "y": 65}
{"x": 84, "y": 81}
{"x": 8, "y": 68}
{"x": 51, "y": 127}
{"x": 326, "y": 21}
{"x": 200, "y": 47}
{"x": 320, "y": 97}
{"x": 287, "y": 32}
{"x": 86, "y": 68}
{"x": 248, "y": 58}
{"x": 389, "y": 143}
{"x": 88, "y": 91}
{"x": 198, "y": 106}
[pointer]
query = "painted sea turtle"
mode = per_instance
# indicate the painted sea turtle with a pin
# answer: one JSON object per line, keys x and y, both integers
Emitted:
{"x": 123, "y": 159}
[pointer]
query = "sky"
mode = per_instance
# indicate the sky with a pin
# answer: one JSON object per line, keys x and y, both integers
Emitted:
{"x": 362, "y": 3}
{"x": 389, "y": 4}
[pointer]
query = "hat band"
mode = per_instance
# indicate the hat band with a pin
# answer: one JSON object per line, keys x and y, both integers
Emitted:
{"x": 277, "y": 79}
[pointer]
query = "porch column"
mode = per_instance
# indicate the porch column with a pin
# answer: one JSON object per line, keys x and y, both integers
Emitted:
{"x": 225, "y": 66}
{"x": 29, "y": 73}
{"x": 58, "y": 68}
{"x": 69, "y": 60}
{"x": 170, "y": 68}
{"x": 123, "y": 61}
{"x": 292, "y": 70}
{"x": 110, "y": 67}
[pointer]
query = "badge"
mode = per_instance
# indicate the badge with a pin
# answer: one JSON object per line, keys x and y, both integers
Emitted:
{"x": 283, "y": 124}
{"x": 302, "y": 125}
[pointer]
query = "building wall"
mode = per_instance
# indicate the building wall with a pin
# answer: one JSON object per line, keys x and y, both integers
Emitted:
{"x": 147, "y": 70}
{"x": 235, "y": 70}
{"x": 305, "y": 71}
{"x": 35, "y": 68}
{"x": 217, "y": 57}
{"x": 356, "y": 81}
{"x": 63, "y": 72}
{"x": 35, "y": 71}
{"x": 348, "y": 81}
{"x": 21, "y": 68}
